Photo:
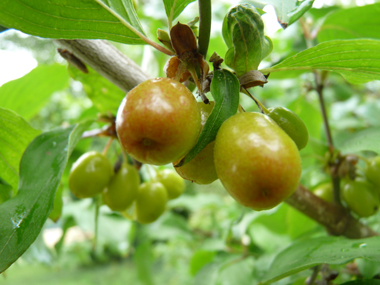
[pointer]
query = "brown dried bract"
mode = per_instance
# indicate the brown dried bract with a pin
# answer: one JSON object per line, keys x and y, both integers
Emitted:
{"x": 183, "y": 40}
{"x": 252, "y": 78}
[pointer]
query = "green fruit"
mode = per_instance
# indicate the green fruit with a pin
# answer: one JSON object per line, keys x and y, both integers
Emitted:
{"x": 173, "y": 183}
{"x": 361, "y": 198}
{"x": 325, "y": 192}
{"x": 201, "y": 168}
{"x": 150, "y": 202}
{"x": 256, "y": 161}
{"x": 291, "y": 124}
{"x": 372, "y": 172}
{"x": 90, "y": 174}
{"x": 122, "y": 189}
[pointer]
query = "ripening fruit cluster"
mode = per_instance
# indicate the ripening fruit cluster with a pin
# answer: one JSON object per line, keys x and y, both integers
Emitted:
{"x": 361, "y": 195}
{"x": 92, "y": 174}
{"x": 255, "y": 156}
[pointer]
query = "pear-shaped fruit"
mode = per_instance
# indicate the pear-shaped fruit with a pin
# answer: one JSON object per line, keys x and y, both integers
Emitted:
{"x": 256, "y": 161}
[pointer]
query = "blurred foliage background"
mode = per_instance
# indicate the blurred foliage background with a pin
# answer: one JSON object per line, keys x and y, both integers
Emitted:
{"x": 204, "y": 237}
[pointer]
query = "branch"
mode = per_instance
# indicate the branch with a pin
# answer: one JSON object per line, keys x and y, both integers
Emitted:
{"x": 108, "y": 61}
{"x": 125, "y": 74}
{"x": 335, "y": 218}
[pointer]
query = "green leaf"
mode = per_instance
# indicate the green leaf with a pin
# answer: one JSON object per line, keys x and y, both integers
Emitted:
{"x": 104, "y": 95}
{"x": 311, "y": 252}
{"x": 243, "y": 32}
{"x": 15, "y": 135}
{"x": 367, "y": 139}
{"x": 199, "y": 259}
{"x": 353, "y": 23}
{"x": 28, "y": 94}
{"x": 5, "y": 191}
{"x": 225, "y": 90}
{"x": 174, "y": 8}
{"x": 41, "y": 169}
{"x": 298, "y": 223}
{"x": 83, "y": 19}
{"x": 288, "y": 11}
{"x": 357, "y": 60}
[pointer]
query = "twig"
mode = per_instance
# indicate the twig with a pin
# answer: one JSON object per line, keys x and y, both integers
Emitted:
{"x": 204, "y": 26}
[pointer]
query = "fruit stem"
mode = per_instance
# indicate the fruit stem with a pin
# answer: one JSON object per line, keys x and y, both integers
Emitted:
{"x": 314, "y": 275}
{"x": 241, "y": 109}
{"x": 148, "y": 170}
{"x": 126, "y": 215}
{"x": 258, "y": 103}
{"x": 135, "y": 31}
{"x": 107, "y": 146}
{"x": 97, "y": 200}
{"x": 204, "y": 26}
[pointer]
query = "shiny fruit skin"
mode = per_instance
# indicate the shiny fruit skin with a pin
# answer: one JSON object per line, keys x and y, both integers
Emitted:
{"x": 158, "y": 121}
{"x": 291, "y": 124}
{"x": 173, "y": 183}
{"x": 90, "y": 174}
{"x": 325, "y": 192}
{"x": 256, "y": 161}
{"x": 361, "y": 198}
{"x": 372, "y": 172}
{"x": 201, "y": 169}
{"x": 122, "y": 189}
{"x": 150, "y": 202}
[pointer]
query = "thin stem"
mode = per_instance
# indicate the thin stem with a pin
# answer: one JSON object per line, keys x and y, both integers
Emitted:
{"x": 170, "y": 19}
{"x": 319, "y": 88}
{"x": 136, "y": 32}
{"x": 97, "y": 206}
{"x": 105, "y": 150}
{"x": 314, "y": 276}
{"x": 204, "y": 26}
{"x": 258, "y": 103}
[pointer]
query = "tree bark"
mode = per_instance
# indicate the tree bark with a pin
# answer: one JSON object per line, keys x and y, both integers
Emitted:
{"x": 124, "y": 73}
{"x": 334, "y": 217}
{"x": 108, "y": 61}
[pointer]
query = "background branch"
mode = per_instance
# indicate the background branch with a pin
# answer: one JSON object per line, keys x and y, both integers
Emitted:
{"x": 124, "y": 73}
{"x": 108, "y": 61}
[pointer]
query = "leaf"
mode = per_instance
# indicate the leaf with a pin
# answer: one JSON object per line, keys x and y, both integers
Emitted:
{"x": 199, "y": 259}
{"x": 5, "y": 191}
{"x": 357, "y": 60}
{"x": 353, "y": 23}
{"x": 15, "y": 135}
{"x": 243, "y": 32}
{"x": 41, "y": 169}
{"x": 311, "y": 252}
{"x": 367, "y": 139}
{"x": 82, "y": 19}
{"x": 28, "y": 94}
{"x": 288, "y": 11}
{"x": 225, "y": 90}
{"x": 104, "y": 95}
{"x": 174, "y": 8}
